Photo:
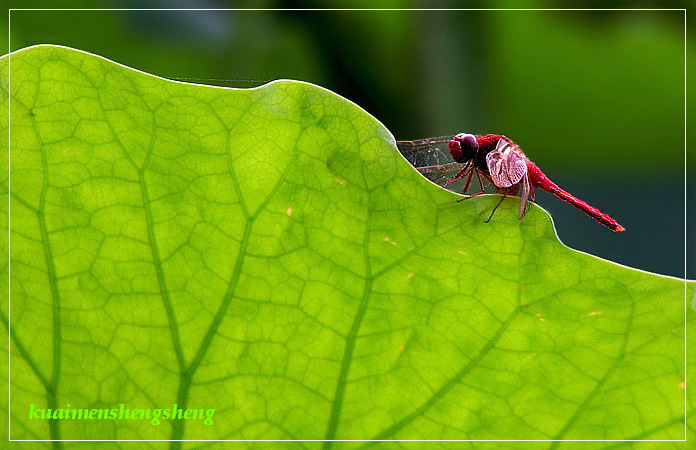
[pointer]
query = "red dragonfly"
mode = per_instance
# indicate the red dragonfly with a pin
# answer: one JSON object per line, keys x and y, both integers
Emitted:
{"x": 499, "y": 160}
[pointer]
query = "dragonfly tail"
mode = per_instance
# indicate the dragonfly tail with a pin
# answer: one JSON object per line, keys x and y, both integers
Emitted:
{"x": 540, "y": 180}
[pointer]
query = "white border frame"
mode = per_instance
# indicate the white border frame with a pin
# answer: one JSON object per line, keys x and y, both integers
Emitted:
{"x": 9, "y": 184}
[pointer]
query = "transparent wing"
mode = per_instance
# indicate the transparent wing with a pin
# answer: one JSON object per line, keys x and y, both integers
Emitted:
{"x": 506, "y": 164}
{"x": 431, "y": 156}
{"x": 524, "y": 196}
{"x": 432, "y": 151}
{"x": 440, "y": 174}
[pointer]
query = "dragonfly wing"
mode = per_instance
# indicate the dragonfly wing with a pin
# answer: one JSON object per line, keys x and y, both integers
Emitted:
{"x": 524, "y": 196}
{"x": 431, "y": 156}
{"x": 506, "y": 164}
{"x": 426, "y": 152}
{"x": 426, "y": 141}
{"x": 440, "y": 174}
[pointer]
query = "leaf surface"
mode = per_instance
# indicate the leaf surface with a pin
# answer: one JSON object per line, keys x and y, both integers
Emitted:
{"x": 269, "y": 254}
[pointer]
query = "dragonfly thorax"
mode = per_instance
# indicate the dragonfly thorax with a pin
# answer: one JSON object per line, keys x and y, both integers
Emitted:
{"x": 467, "y": 147}
{"x": 487, "y": 143}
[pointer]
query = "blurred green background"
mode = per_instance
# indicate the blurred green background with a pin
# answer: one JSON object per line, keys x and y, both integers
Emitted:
{"x": 595, "y": 98}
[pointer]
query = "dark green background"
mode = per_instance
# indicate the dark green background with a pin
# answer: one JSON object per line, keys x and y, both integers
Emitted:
{"x": 595, "y": 98}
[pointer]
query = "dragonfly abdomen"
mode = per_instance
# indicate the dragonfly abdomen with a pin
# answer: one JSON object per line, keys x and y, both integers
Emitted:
{"x": 540, "y": 180}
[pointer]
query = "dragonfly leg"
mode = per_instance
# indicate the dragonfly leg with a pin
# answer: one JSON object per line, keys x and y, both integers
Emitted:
{"x": 482, "y": 191}
{"x": 460, "y": 175}
{"x": 531, "y": 198}
{"x": 480, "y": 181}
{"x": 496, "y": 207}
{"x": 468, "y": 182}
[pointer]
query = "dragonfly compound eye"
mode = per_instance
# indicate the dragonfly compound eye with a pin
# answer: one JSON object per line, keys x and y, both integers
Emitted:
{"x": 463, "y": 147}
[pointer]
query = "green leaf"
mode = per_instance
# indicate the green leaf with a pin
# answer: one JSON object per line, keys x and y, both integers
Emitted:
{"x": 269, "y": 254}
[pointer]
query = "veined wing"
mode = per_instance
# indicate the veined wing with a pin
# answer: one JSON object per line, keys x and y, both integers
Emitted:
{"x": 432, "y": 151}
{"x": 525, "y": 190}
{"x": 506, "y": 164}
{"x": 440, "y": 174}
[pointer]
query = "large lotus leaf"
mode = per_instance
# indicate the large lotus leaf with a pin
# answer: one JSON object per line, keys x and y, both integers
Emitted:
{"x": 268, "y": 253}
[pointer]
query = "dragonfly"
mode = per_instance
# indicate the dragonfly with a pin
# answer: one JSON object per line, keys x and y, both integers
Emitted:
{"x": 448, "y": 159}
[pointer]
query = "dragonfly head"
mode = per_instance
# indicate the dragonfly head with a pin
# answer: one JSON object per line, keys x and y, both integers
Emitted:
{"x": 463, "y": 147}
